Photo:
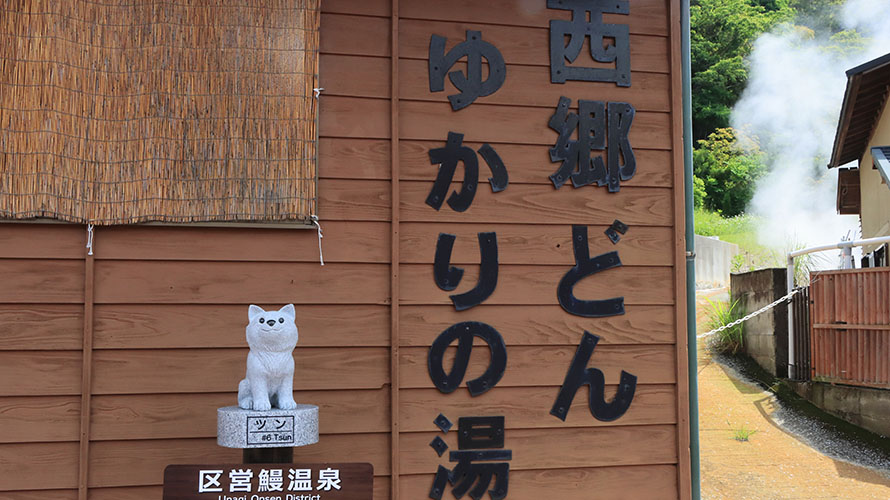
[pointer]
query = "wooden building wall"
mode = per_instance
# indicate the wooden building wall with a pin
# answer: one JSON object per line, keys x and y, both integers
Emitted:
{"x": 874, "y": 192}
{"x": 118, "y": 361}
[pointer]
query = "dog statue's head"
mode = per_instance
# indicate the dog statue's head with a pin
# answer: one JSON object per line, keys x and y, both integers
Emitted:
{"x": 273, "y": 331}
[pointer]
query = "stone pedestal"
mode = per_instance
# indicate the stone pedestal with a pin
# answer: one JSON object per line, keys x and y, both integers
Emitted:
{"x": 239, "y": 428}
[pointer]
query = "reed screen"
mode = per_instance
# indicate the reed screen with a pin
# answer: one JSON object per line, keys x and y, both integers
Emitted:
{"x": 128, "y": 111}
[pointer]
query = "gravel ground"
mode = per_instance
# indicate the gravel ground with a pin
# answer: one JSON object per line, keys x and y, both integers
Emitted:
{"x": 817, "y": 433}
{"x": 787, "y": 454}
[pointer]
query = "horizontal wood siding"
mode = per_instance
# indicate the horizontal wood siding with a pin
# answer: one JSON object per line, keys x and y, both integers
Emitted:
{"x": 171, "y": 302}
{"x": 637, "y": 455}
{"x": 41, "y": 332}
{"x": 167, "y": 340}
{"x": 652, "y": 482}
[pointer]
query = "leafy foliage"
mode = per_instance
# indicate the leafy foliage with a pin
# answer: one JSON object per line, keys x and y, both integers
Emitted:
{"x": 731, "y": 340}
{"x": 722, "y": 35}
{"x": 729, "y": 174}
{"x": 844, "y": 43}
{"x": 819, "y": 15}
{"x": 698, "y": 193}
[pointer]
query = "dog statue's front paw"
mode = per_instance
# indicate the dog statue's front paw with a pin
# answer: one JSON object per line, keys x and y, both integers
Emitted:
{"x": 262, "y": 405}
{"x": 287, "y": 404}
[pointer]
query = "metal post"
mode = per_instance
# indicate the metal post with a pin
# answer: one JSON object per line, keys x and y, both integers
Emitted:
{"x": 268, "y": 455}
{"x": 847, "y": 258}
{"x": 789, "y": 286}
{"x": 692, "y": 351}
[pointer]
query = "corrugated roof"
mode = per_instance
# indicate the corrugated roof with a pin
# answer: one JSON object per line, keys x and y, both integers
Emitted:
{"x": 867, "y": 86}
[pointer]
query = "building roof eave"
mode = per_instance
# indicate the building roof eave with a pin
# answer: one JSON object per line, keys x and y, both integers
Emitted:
{"x": 864, "y": 98}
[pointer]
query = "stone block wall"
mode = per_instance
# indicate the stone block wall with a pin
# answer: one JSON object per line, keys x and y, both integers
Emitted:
{"x": 713, "y": 262}
{"x": 766, "y": 336}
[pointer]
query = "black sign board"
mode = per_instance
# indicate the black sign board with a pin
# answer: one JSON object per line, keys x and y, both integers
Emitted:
{"x": 317, "y": 481}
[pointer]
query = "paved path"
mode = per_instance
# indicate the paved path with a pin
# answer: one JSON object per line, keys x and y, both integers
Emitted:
{"x": 772, "y": 464}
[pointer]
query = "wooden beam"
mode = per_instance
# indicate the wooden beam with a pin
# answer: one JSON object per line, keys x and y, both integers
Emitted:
{"x": 86, "y": 377}
{"x": 844, "y": 123}
{"x": 684, "y": 463}
{"x": 394, "y": 256}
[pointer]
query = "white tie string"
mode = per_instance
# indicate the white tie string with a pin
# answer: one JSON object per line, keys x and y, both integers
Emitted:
{"x": 90, "y": 239}
{"x": 314, "y": 219}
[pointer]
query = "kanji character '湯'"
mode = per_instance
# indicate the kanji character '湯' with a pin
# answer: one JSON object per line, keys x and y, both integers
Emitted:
{"x": 481, "y": 439}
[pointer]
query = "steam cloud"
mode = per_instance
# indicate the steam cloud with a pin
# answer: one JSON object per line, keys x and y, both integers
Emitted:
{"x": 790, "y": 109}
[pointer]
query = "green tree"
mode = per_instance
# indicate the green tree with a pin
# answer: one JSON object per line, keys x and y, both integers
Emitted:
{"x": 722, "y": 35}
{"x": 819, "y": 15}
{"x": 844, "y": 43}
{"x": 729, "y": 174}
{"x": 698, "y": 191}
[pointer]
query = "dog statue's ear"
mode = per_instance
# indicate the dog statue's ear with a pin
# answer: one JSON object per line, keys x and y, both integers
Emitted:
{"x": 289, "y": 311}
{"x": 254, "y": 311}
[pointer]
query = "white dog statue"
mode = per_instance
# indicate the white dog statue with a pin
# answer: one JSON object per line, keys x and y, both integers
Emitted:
{"x": 272, "y": 337}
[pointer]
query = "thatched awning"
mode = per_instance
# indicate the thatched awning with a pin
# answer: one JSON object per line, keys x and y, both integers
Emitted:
{"x": 124, "y": 111}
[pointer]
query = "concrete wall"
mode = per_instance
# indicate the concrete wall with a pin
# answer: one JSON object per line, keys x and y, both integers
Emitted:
{"x": 713, "y": 261}
{"x": 862, "y": 406}
{"x": 766, "y": 335}
{"x": 875, "y": 193}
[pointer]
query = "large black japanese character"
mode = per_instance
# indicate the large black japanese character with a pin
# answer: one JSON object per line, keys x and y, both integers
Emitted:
{"x": 584, "y": 267}
{"x": 464, "y": 333}
{"x": 499, "y": 178}
{"x": 475, "y": 433}
{"x": 448, "y": 158}
{"x": 578, "y": 375}
{"x": 471, "y": 86}
{"x": 448, "y": 277}
{"x": 616, "y": 53}
{"x": 480, "y": 432}
{"x": 578, "y": 162}
{"x": 621, "y": 117}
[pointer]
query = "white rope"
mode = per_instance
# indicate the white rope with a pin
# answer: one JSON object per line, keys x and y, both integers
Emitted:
{"x": 746, "y": 318}
{"x": 314, "y": 219}
{"x": 90, "y": 239}
{"x": 317, "y": 91}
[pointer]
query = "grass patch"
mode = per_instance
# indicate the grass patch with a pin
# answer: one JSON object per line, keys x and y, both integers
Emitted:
{"x": 741, "y": 229}
{"x": 783, "y": 391}
{"x": 743, "y": 434}
{"x": 730, "y": 340}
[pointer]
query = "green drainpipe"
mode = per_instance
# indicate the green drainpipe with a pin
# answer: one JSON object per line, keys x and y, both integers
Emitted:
{"x": 690, "y": 252}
